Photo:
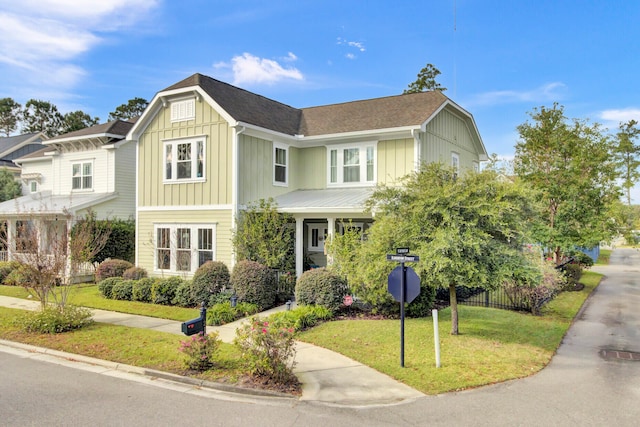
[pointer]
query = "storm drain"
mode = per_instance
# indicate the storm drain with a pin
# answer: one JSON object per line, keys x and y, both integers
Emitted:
{"x": 619, "y": 355}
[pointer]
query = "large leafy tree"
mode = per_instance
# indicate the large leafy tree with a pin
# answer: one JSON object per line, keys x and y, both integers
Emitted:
{"x": 468, "y": 231}
{"x": 425, "y": 81}
{"x": 77, "y": 120}
{"x": 10, "y": 115}
{"x": 42, "y": 116}
{"x": 627, "y": 151}
{"x": 571, "y": 164}
{"x": 9, "y": 187}
{"x": 265, "y": 235}
{"x": 133, "y": 108}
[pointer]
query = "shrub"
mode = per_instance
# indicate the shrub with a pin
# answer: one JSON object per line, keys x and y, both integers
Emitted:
{"x": 164, "y": 290}
{"x": 254, "y": 283}
{"x": 112, "y": 268}
{"x": 134, "y": 273}
{"x": 106, "y": 286}
{"x": 184, "y": 295}
{"x": 583, "y": 259}
{"x": 303, "y": 317}
{"x": 424, "y": 303}
{"x": 200, "y": 350}
{"x": 54, "y": 319}
{"x": 269, "y": 350}
{"x": 210, "y": 278}
{"x": 223, "y": 313}
{"x": 121, "y": 242}
{"x": 142, "y": 289}
{"x": 321, "y": 287}
{"x": 123, "y": 290}
{"x": 20, "y": 276}
{"x": 573, "y": 273}
{"x": 220, "y": 297}
{"x": 6, "y": 267}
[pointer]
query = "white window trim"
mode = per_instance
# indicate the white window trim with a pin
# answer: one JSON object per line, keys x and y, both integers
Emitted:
{"x": 363, "y": 164}
{"x": 455, "y": 161}
{"x": 183, "y": 110}
{"x": 93, "y": 174}
{"x": 194, "y": 159}
{"x": 284, "y": 147}
{"x": 33, "y": 186}
{"x": 173, "y": 245}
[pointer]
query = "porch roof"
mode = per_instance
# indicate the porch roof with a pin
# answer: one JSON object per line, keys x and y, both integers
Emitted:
{"x": 44, "y": 203}
{"x": 329, "y": 201}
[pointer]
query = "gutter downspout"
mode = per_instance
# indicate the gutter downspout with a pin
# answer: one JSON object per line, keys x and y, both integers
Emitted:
{"x": 235, "y": 177}
{"x": 416, "y": 149}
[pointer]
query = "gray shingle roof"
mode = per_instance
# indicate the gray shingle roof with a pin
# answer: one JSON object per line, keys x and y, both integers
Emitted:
{"x": 379, "y": 113}
{"x": 11, "y": 141}
{"x": 116, "y": 127}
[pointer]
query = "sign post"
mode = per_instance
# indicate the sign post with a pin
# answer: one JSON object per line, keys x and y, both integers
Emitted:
{"x": 404, "y": 285}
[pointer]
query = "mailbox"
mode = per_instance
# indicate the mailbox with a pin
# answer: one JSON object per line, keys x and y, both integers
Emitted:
{"x": 193, "y": 326}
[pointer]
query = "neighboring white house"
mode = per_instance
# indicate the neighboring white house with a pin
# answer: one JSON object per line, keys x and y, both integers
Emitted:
{"x": 90, "y": 169}
{"x": 14, "y": 147}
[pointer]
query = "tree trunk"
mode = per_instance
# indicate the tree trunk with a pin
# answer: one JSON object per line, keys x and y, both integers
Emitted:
{"x": 453, "y": 302}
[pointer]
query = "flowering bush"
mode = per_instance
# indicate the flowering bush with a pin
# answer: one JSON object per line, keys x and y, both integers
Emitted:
{"x": 199, "y": 350}
{"x": 269, "y": 348}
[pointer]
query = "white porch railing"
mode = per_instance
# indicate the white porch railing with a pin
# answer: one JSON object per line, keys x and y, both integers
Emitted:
{"x": 4, "y": 256}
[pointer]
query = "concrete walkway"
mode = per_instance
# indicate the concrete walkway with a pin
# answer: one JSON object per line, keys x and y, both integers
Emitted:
{"x": 327, "y": 377}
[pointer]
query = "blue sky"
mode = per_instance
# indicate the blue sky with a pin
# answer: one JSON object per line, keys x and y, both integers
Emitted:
{"x": 499, "y": 59}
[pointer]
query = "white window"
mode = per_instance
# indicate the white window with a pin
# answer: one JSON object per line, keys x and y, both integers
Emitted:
{"x": 455, "y": 161}
{"x": 82, "y": 176}
{"x": 352, "y": 165}
{"x": 184, "y": 160}
{"x": 183, "y": 247}
{"x": 33, "y": 186}
{"x": 280, "y": 163}
{"x": 183, "y": 110}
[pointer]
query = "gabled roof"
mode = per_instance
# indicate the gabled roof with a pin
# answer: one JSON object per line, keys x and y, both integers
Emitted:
{"x": 116, "y": 129}
{"x": 11, "y": 143}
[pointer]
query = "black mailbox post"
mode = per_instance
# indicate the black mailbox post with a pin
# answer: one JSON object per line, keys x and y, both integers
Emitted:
{"x": 195, "y": 326}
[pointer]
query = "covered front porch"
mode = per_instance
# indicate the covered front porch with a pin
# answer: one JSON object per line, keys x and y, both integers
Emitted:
{"x": 319, "y": 215}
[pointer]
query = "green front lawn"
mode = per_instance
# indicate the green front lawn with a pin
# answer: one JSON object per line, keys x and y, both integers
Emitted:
{"x": 494, "y": 345}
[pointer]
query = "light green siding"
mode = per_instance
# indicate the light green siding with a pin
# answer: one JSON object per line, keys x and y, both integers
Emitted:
{"x": 311, "y": 168}
{"x": 395, "y": 159}
{"x": 445, "y": 134}
{"x": 216, "y": 190}
{"x": 145, "y": 239}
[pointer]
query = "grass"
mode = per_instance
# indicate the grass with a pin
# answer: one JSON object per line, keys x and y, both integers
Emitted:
{"x": 494, "y": 345}
{"x": 603, "y": 258}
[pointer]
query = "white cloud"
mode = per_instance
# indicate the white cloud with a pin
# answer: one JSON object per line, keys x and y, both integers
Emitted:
{"x": 549, "y": 92}
{"x": 248, "y": 69}
{"x": 613, "y": 118}
{"x": 291, "y": 57}
{"x": 358, "y": 46}
{"x": 350, "y": 56}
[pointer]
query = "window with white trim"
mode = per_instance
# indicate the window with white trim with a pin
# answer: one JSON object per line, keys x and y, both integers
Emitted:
{"x": 33, "y": 186}
{"x": 183, "y": 248}
{"x": 82, "y": 176}
{"x": 184, "y": 160}
{"x": 183, "y": 110}
{"x": 455, "y": 161}
{"x": 352, "y": 165}
{"x": 280, "y": 163}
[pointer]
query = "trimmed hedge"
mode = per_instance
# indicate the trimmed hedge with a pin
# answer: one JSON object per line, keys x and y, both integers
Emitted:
{"x": 112, "y": 268}
{"x": 142, "y": 289}
{"x": 210, "y": 278}
{"x": 321, "y": 287}
{"x": 106, "y": 286}
{"x": 121, "y": 242}
{"x": 254, "y": 283}
{"x": 163, "y": 291}
{"x": 134, "y": 273}
{"x": 123, "y": 290}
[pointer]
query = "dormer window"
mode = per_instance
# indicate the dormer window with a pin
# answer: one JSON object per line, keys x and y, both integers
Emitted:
{"x": 183, "y": 110}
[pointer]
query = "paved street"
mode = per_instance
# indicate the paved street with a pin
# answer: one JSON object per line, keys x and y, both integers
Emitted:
{"x": 590, "y": 382}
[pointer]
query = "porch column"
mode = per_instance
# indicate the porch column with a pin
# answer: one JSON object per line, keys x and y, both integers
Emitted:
{"x": 299, "y": 246}
{"x": 331, "y": 229}
{"x": 11, "y": 239}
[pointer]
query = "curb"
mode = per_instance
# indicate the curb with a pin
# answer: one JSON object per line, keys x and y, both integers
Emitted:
{"x": 150, "y": 373}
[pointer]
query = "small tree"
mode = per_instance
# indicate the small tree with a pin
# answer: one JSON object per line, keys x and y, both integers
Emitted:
{"x": 265, "y": 235}
{"x": 9, "y": 187}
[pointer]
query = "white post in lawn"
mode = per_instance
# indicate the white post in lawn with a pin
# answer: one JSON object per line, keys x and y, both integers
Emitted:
{"x": 436, "y": 336}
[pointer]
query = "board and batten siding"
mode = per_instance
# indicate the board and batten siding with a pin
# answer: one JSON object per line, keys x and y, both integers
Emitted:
{"x": 311, "y": 168}
{"x": 215, "y": 190}
{"x": 145, "y": 237}
{"x": 445, "y": 134}
{"x": 395, "y": 160}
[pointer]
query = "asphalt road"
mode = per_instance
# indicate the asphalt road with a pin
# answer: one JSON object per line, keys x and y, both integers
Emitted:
{"x": 588, "y": 383}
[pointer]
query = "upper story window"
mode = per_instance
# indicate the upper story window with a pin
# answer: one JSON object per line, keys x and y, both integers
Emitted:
{"x": 183, "y": 110}
{"x": 352, "y": 165}
{"x": 82, "y": 176}
{"x": 184, "y": 160}
{"x": 33, "y": 186}
{"x": 280, "y": 163}
{"x": 455, "y": 161}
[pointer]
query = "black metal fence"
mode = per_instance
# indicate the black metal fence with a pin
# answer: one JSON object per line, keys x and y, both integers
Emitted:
{"x": 511, "y": 299}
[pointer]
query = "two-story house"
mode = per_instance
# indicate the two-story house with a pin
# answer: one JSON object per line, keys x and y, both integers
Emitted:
{"x": 90, "y": 169}
{"x": 205, "y": 149}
